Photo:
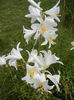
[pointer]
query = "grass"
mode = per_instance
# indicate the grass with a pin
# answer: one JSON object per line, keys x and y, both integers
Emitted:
{"x": 11, "y": 21}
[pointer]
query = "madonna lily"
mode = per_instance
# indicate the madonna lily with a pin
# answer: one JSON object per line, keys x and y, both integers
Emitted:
{"x": 47, "y": 59}
{"x": 2, "y": 60}
{"x": 72, "y": 43}
{"x": 55, "y": 79}
{"x": 14, "y": 55}
{"x": 31, "y": 71}
{"x": 34, "y": 14}
{"x": 32, "y": 2}
{"x": 45, "y": 27}
{"x": 54, "y": 12}
{"x": 33, "y": 57}
{"x": 49, "y": 37}
{"x": 41, "y": 83}
{"x": 28, "y": 33}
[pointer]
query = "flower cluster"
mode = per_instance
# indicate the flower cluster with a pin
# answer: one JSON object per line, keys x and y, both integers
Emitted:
{"x": 12, "y": 57}
{"x": 38, "y": 75}
{"x": 43, "y": 23}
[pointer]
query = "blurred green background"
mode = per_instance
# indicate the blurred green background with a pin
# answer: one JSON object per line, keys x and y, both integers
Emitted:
{"x": 12, "y": 19}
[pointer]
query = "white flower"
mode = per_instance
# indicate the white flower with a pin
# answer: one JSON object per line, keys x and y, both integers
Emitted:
{"x": 72, "y": 43}
{"x": 54, "y": 12}
{"x": 31, "y": 71}
{"x": 49, "y": 37}
{"x": 34, "y": 14}
{"x": 28, "y": 33}
{"x": 33, "y": 57}
{"x": 45, "y": 26}
{"x": 41, "y": 83}
{"x": 35, "y": 4}
{"x": 43, "y": 61}
{"x": 46, "y": 29}
{"x": 14, "y": 55}
{"x": 13, "y": 63}
{"x": 48, "y": 58}
{"x": 2, "y": 60}
{"x": 55, "y": 79}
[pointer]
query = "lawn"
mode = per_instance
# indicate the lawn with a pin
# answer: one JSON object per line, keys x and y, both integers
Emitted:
{"x": 12, "y": 19}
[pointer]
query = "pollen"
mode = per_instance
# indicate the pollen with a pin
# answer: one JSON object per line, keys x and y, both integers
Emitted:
{"x": 43, "y": 29}
{"x": 31, "y": 73}
{"x": 16, "y": 63}
{"x": 58, "y": 15}
{"x": 50, "y": 39}
{"x": 40, "y": 85}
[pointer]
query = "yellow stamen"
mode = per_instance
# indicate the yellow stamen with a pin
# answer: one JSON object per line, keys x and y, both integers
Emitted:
{"x": 43, "y": 29}
{"x": 16, "y": 63}
{"x": 50, "y": 39}
{"x": 31, "y": 73}
{"x": 58, "y": 15}
{"x": 40, "y": 85}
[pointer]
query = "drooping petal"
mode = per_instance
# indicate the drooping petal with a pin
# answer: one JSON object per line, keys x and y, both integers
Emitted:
{"x": 35, "y": 4}
{"x": 2, "y": 60}
{"x": 28, "y": 34}
{"x": 45, "y": 42}
{"x": 55, "y": 79}
{"x": 12, "y": 63}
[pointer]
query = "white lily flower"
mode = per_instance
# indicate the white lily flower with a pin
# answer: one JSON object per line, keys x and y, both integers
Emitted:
{"x": 43, "y": 61}
{"x": 46, "y": 29}
{"x": 14, "y": 55}
{"x": 49, "y": 38}
{"x": 72, "y": 43}
{"x": 31, "y": 72}
{"x": 41, "y": 82}
{"x": 54, "y": 12}
{"x": 48, "y": 59}
{"x": 45, "y": 26}
{"x": 34, "y": 14}
{"x": 13, "y": 63}
{"x": 2, "y": 60}
{"x": 55, "y": 79}
{"x": 28, "y": 33}
{"x": 33, "y": 57}
{"x": 35, "y": 4}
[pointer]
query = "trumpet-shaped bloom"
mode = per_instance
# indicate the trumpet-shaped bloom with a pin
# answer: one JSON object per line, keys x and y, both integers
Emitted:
{"x": 54, "y": 12}
{"x": 2, "y": 60}
{"x": 32, "y": 2}
{"x": 41, "y": 82}
{"x": 72, "y": 43}
{"x": 34, "y": 14}
{"x": 33, "y": 57}
{"x": 31, "y": 71}
{"x": 55, "y": 79}
{"x": 13, "y": 63}
{"x": 14, "y": 55}
{"x": 45, "y": 60}
{"x": 49, "y": 37}
{"x": 46, "y": 29}
{"x": 28, "y": 33}
{"x": 45, "y": 26}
